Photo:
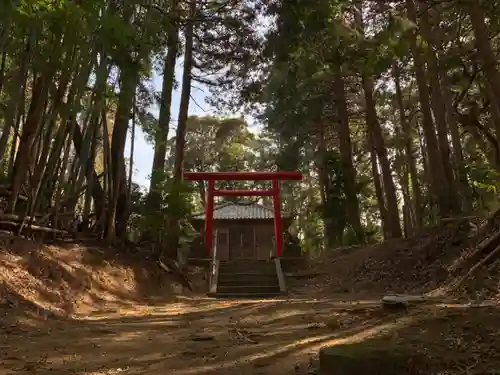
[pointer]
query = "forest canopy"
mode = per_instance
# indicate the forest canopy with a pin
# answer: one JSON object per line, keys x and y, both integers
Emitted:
{"x": 391, "y": 110}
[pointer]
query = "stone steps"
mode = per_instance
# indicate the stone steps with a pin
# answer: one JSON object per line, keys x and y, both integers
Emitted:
{"x": 247, "y": 279}
{"x": 251, "y": 289}
{"x": 244, "y": 295}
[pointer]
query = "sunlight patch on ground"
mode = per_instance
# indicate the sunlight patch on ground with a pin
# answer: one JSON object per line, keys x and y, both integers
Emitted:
{"x": 113, "y": 371}
{"x": 177, "y": 309}
{"x": 253, "y": 357}
{"x": 365, "y": 335}
{"x": 303, "y": 345}
{"x": 284, "y": 330}
{"x": 211, "y": 305}
{"x": 466, "y": 305}
{"x": 283, "y": 314}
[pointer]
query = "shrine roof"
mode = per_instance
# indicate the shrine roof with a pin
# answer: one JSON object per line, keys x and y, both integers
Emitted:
{"x": 240, "y": 211}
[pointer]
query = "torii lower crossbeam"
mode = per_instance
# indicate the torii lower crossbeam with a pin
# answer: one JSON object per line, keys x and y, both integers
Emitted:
{"x": 212, "y": 177}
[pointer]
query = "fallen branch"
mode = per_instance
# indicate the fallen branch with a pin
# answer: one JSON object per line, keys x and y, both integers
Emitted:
{"x": 488, "y": 241}
{"x": 461, "y": 218}
{"x": 5, "y": 192}
{"x": 485, "y": 247}
{"x": 13, "y": 226}
{"x": 483, "y": 261}
{"x": 165, "y": 268}
{"x": 241, "y": 336}
{"x": 15, "y": 217}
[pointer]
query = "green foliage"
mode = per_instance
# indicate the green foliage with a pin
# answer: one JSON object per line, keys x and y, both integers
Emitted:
{"x": 214, "y": 144}
{"x": 486, "y": 184}
{"x": 36, "y": 8}
{"x": 334, "y": 207}
{"x": 287, "y": 75}
{"x": 175, "y": 199}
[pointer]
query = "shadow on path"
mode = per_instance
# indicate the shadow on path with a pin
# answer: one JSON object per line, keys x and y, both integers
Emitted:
{"x": 189, "y": 337}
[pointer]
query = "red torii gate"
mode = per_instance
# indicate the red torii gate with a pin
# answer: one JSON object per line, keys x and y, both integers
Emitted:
{"x": 212, "y": 192}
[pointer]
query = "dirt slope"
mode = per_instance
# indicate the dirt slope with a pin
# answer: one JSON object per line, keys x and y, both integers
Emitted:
{"x": 78, "y": 279}
{"x": 421, "y": 264}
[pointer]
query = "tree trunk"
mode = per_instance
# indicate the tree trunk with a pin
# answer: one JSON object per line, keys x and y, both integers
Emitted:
{"x": 409, "y": 152}
{"x": 129, "y": 79}
{"x": 439, "y": 110}
{"x": 379, "y": 193}
{"x": 458, "y": 156}
{"x": 485, "y": 52}
{"x": 373, "y": 127}
{"x": 437, "y": 175}
{"x": 88, "y": 164}
{"x": 376, "y": 139}
{"x": 320, "y": 167}
{"x": 180, "y": 136}
{"x": 401, "y": 167}
{"x": 346, "y": 160}
{"x": 161, "y": 134}
{"x": 15, "y": 99}
{"x": 24, "y": 154}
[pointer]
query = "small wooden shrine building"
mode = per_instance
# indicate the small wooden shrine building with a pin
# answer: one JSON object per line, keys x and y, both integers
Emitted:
{"x": 242, "y": 230}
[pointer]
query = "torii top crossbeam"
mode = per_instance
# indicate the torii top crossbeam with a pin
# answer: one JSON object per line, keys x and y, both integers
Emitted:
{"x": 242, "y": 176}
{"x": 212, "y": 177}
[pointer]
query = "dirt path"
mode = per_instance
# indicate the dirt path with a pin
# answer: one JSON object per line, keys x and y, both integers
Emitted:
{"x": 192, "y": 337}
{"x": 204, "y": 336}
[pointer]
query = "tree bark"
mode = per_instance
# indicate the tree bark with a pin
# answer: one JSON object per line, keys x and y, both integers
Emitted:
{"x": 161, "y": 134}
{"x": 180, "y": 136}
{"x": 346, "y": 160}
{"x": 437, "y": 175}
{"x": 439, "y": 109}
{"x": 409, "y": 152}
{"x": 485, "y": 52}
{"x": 24, "y": 154}
{"x": 129, "y": 79}
{"x": 373, "y": 127}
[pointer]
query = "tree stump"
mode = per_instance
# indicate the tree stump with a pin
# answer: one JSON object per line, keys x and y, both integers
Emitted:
{"x": 371, "y": 358}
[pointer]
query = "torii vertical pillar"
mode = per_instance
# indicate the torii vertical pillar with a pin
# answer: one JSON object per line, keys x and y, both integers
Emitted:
{"x": 209, "y": 218}
{"x": 278, "y": 224}
{"x": 212, "y": 177}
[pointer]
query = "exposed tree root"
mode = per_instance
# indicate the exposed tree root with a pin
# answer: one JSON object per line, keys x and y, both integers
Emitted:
{"x": 173, "y": 269}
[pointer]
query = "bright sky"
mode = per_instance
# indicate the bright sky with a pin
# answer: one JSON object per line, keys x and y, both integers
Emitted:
{"x": 143, "y": 151}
